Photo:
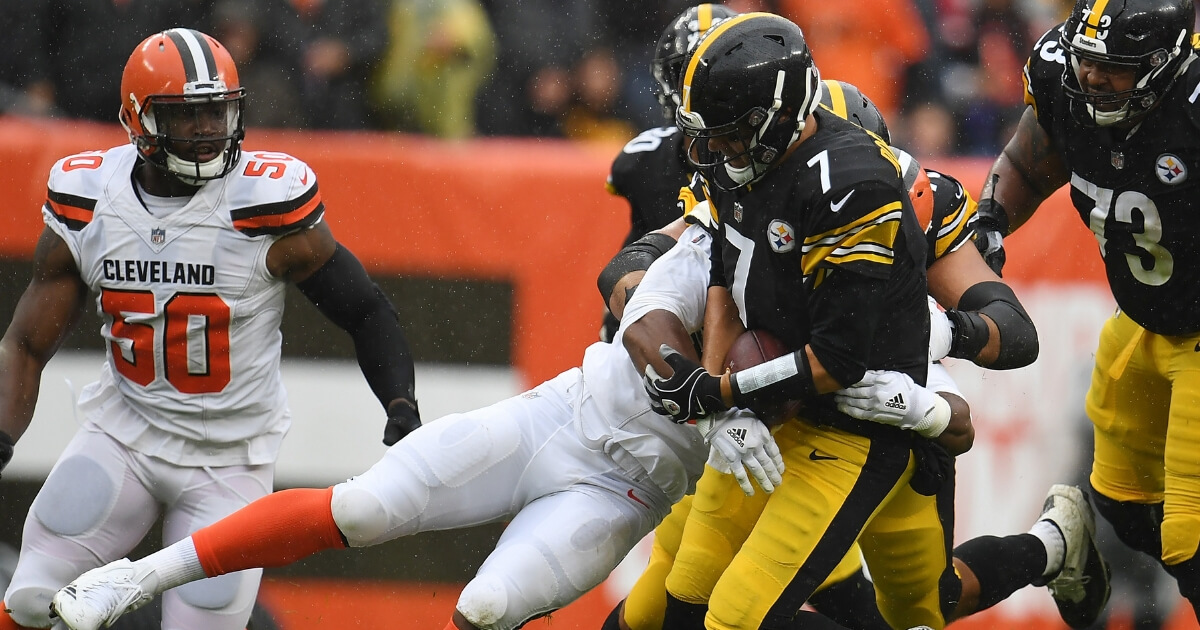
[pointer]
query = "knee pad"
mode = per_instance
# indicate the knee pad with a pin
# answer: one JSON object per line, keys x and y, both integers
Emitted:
{"x": 215, "y": 593}
{"x": 484, "y": 601}
{"x": 30, "y": 606}
{"x": 1138, "y": 525}
{"x": 359, "y": 514}
{"x": 75, "y": 498}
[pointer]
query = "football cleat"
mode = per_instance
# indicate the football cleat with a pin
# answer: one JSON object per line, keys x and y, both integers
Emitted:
{"x": 1081, "y": 588}
{"x": 97, "y": 598}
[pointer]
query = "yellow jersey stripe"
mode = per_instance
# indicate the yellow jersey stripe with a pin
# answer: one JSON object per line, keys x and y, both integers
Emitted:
{"x": 952, "y": 227}
{"x": 837, "y": 234}
{"x": 871, "y": 243}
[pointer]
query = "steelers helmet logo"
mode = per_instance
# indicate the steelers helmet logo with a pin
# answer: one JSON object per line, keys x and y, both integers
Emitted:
{"x": 781, "y": 236}
{"x": 1170, "y": 169}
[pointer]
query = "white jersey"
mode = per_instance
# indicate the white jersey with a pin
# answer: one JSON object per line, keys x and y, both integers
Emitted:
{"x": 191, "y": 313}
{"x": 675, "y": 457}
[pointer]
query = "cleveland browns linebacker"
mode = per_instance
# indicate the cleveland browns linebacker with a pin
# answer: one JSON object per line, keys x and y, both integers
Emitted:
{"x": 188, "y": 243}
{"x": 1112, "y": 112}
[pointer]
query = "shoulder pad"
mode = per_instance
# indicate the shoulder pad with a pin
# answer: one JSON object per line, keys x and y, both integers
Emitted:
{"x": 1044, "y": 69}
{"x": 75, "y": 183}
{"x": 273, "y": 193}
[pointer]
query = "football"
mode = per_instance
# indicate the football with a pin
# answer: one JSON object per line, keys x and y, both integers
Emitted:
{"x": 752, "y": 348}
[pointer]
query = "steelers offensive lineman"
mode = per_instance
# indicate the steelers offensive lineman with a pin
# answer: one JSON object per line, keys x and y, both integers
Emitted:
{"x": 1112, "y": 111}
{"x": 188, "y": 243}
{"x": 651, "y": 169}
{"x": 817, "y": 236}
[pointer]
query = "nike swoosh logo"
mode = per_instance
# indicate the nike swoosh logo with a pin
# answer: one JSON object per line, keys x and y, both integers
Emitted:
{"x": 836, "y": 206}
{"x": 634, "y": 497}
{"x": 817, "y": 457}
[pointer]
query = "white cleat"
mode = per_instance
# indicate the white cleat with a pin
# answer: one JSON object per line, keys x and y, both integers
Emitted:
{"x": 97, "y": 598}
{"x": 1081, "y": 588}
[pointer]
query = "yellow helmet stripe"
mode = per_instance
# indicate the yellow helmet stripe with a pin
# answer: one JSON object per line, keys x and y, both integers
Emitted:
{"x": 1093, "y": 21}
{"x": 709, "y": 38}
{"x": 704, "y": 17}
{"x": 837, "y": 97}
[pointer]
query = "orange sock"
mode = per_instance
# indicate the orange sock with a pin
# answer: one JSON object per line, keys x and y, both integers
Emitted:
{"x": 278, "y": 529}
{"x": 6, "y": 621}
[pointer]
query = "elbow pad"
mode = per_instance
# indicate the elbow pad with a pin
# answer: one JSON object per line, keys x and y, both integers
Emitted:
{"x": 1018, "y": 336}
{"x": 636, "y": 256}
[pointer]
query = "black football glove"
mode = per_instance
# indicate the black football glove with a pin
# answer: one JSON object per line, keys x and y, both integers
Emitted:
{"x": 6, "y": 449}
{"x": 404, "y": 417}
{"x": 689, "y": 393}
{"x": 991, "y": 224}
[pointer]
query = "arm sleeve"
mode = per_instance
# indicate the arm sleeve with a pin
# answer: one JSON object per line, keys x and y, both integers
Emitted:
{"x": 846, "y": 311}
{"x": 341, "y": 290}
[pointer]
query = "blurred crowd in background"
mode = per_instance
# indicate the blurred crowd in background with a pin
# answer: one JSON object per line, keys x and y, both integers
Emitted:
{"x": 946, "y": 73}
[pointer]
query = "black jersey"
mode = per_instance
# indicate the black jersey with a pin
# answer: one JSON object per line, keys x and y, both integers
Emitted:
{"x": 827, "y": 251}
{"x": 1139, "y": 194}
{"x": 953, "y": 216}
{"x": 649, "y": 172}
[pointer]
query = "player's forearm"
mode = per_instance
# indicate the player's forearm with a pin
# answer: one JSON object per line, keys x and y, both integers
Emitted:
{"x": 643, "y": 338}
{"x": 1028, "y": 170}
{"x": 20, "y": 381}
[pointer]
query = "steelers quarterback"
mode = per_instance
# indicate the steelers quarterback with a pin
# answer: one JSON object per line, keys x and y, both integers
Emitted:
{"x": 817, "y": 240}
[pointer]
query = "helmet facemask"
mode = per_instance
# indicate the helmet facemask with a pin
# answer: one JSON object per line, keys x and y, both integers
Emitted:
{"x": 1138, "y": 39}
{"x": 180, "y": 131}
{"x": 763, "y": 135}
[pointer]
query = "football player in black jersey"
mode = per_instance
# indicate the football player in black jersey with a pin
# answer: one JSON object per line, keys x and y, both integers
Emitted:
{"x": 817, "y": 240}
{"x": 1112, "y": 111}
{"x": 651, "y": 169}
{"x": 987, "y": 569}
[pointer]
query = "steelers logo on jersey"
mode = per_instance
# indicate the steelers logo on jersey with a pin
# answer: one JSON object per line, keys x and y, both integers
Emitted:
{"x": 1170, "y": 169}
{"x": 781, "y": 236}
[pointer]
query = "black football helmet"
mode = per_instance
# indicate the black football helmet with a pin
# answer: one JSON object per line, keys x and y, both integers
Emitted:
{"x": 752, "y": 80}
{"x": 847, "y": 101}
{"x": 1154, "y": 37}
{"x": 676, "y": 40}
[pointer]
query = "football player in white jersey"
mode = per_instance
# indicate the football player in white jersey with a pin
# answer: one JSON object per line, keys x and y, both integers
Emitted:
{"x": 580, "y": 466}
{"x": 188, "y": 243}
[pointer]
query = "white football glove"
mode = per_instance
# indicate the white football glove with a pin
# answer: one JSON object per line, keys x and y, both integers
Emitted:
{"x": 941, "y": 332}
{"x": 738, "y": 441}
{"x": 893, "y": 398}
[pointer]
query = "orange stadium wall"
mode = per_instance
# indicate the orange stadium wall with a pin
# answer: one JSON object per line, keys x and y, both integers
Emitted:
{"x": 534, "y": 213}
{"x": 530, "y": 212}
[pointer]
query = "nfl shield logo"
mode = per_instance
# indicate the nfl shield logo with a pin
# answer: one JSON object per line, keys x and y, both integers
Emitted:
{"x": 737, "y": 211}
{"x": 158, "y": 235}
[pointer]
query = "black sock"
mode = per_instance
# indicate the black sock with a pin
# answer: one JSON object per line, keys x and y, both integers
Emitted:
{"x": 850, "y": 603}
{"x": 681, "y": 615}
{"x": 1003, "y": 565}
{"x": 612, "y": 622}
